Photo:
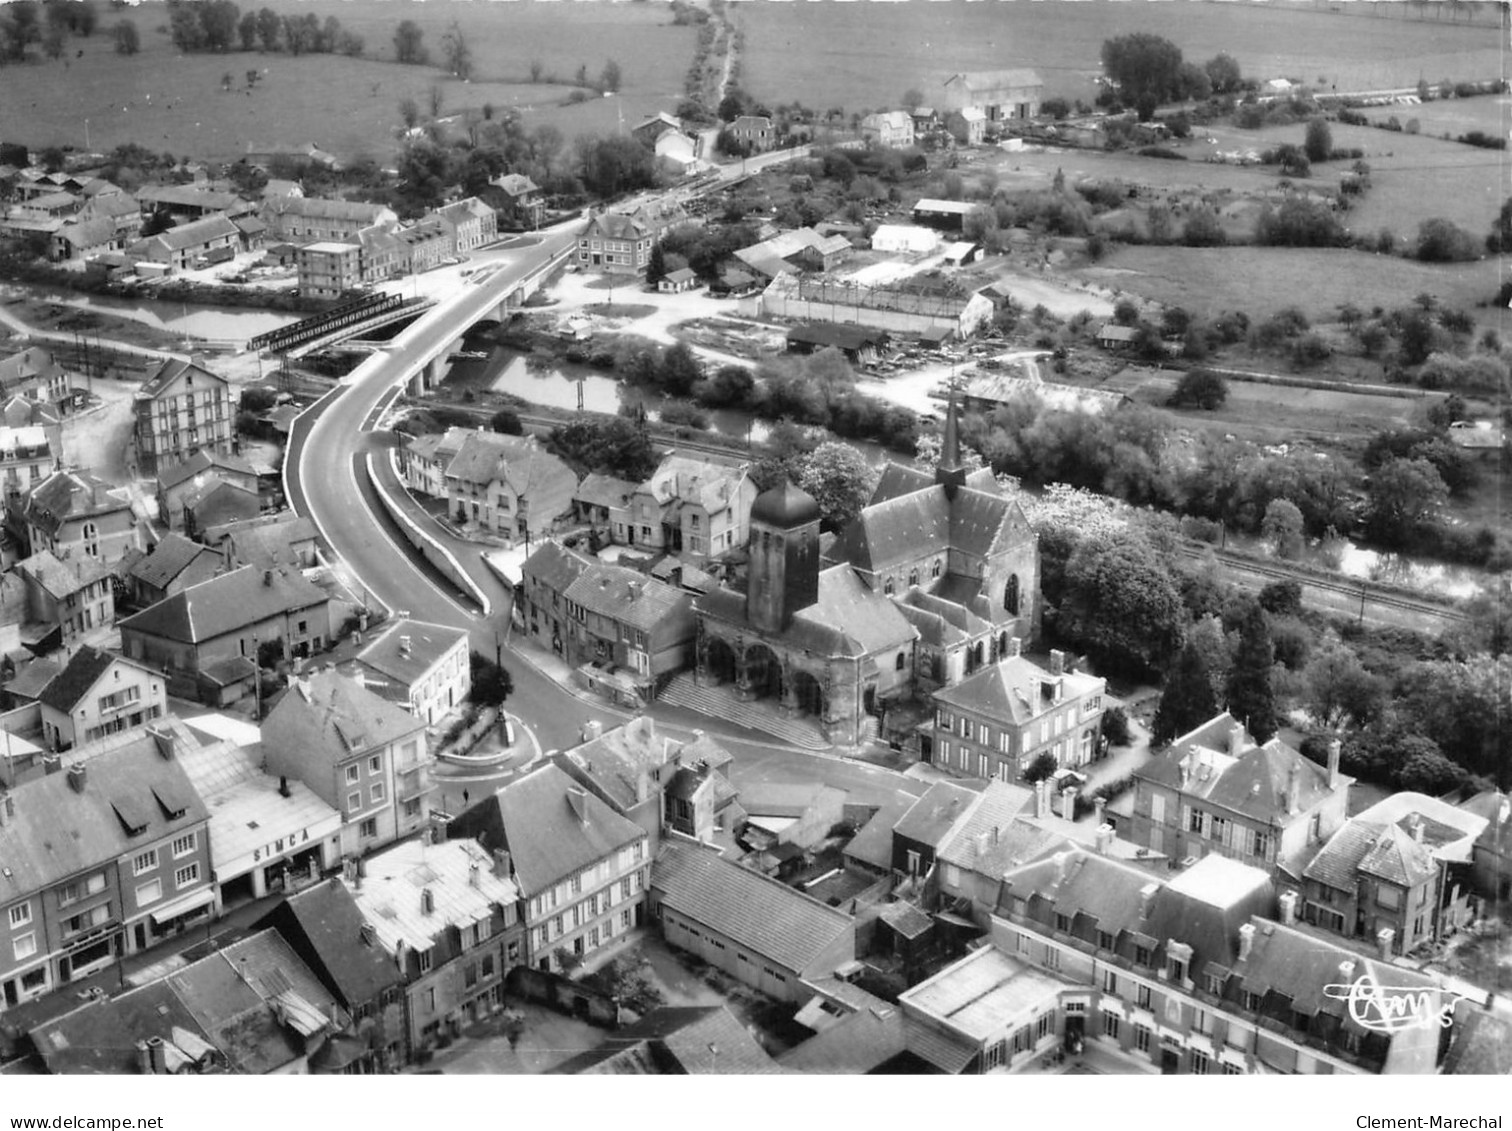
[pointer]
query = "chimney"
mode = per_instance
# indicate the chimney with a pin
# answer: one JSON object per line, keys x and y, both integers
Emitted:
{"x": 472, "y": 874}
{"x": 1334, "y": 748}
{"x": 52, "y": 763}
{"x": 501, "y": 863}
{"x": 1246, "y": 940}
{"x": 1039, "y": 798}
{"x": 267, "y": 577}
{"x": 1288, "y": 907}
{"x": 157, "y": 1054}
{"x": 165, "y": 742}
{"x": 283, "y": 786}
{"x": 1062, "y": 862}
{"x": 1182, "y": 772}
{"x": 1347, "y": 971}
{"x": 592, "y": 729}
{"x": 1057, "y": 662}
{"x": 427, "y": 901}
{"x": 1099, "y": 803}
{"x": 1147, "y": 900}
{"x": 1104, "y": 839}
{"x": 144, "y": 1058}
{"x": 578, "y": 800}
{"x": 1236, "y": 739}
{"x": 1293, "y": 788}
{"x": 1068, "y": 803}
{"x": 1015, "y": 646}
{"x": 77, "y": 775}
{"x": 404, "y": 645}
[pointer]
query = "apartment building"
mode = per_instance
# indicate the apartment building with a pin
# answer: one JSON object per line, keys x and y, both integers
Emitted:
{"x": 182, "y": 408}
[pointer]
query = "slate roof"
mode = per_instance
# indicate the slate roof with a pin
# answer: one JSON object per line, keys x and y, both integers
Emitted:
{"x": 1481, "y": 1045}
{"x": 1397, "y": 858}
{"x": 903, "y": 479}
{"x": 66, "y": 495}
{"x": 854, "y": 1045}
{"x": 905, "y": 527}
{"x": 202, "y": 460}
{"x": 767, "y": 917}
{"x": 1011, "y": 690}
{"x": 32, "y": 678}
{"x": 872, "y": 843}
{"x": 89, "y": 233}
{"x": 57, "y": 832}
{"x": 195, "y": 233}
{"x": 848, "y": 607}
{"x": 978, "y": 843}
{"x": 265, "y": 544}
{"x": 459, "y": 875}
{"x": 99, "y": 1038}
{"x": 710, "y": 484}
{"x": 427, "y": 644}
{"x": 615, "y": 226}
{"x": 554, "y": 566}
{"x": 930, "y": 819}
{"x": 518, "y": 461}
{"x": 328, "y": 712}
{"x": 82, "y": 672}
{"x": 320, "y": 208}
{"x": 225, "y": 604}
{"x": 682, "y": 1040}
{"x": 537, "y": 819}
{"x": 169, "y": 371}
{"x": 59, "y": 579}
{"x": 604, "y": 491}
{"x": 627, "y": 596}
{"x": 516, "y": 184}
{"x": 615, "y": 761}
{"x": 28, "y": 364}
{"x": 169, "y": 559}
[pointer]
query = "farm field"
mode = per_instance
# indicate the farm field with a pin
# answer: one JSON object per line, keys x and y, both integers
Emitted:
{"x": 346, "y": 106}
{"x": 1261, "y": 281}
{"x": 1490, "y": 114}
{"x": 865, "y": 55}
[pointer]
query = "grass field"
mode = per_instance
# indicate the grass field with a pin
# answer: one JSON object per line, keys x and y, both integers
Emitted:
{"x": 347, "y": 106}
{"x": 865, "y": 55}
{"x": 1260, "y": 281}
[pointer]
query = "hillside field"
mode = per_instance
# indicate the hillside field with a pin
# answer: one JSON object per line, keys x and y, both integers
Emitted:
{"x": 864, "y": 56}
{"x": 346, "y": 106}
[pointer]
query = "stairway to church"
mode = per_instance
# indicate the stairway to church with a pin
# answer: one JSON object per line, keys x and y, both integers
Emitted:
{"x": 720, "y": 703}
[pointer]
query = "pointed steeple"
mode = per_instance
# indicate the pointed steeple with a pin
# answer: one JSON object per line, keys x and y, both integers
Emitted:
{"x": 951, "y": 472}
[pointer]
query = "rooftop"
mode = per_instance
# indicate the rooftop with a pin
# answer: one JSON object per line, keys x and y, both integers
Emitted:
{"x": 982, "y": 993}
{"x": 458, "y": 874}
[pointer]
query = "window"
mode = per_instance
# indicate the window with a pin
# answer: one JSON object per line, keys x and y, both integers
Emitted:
{"x": 150, "y": 892}
{"x": 375, "y": 763}
{"x": 424, "y": 957}
{"x": 184, "y": 845}
{"x": 1110, "y": 982}
{"x": 1142, "y": 1039}
{"x": 354, "y": 802}
{"x": 20, "y": 914}
{"x": 1232, "y": 1069}
{"x": 488, "y": 966}
{"x": 1214, "y": 983}
{"x": 1141, "y": 955}
{"x": 1062, "y": 921}
{"x": 1110, "y": 1025}
{"x": 353, "y": 772}
{"x": 1388, "y": 897}
{"x": 913, "y": 576}
{"x": 186, "y": 875}
{"x": 934, "y": 570}
{"x": 1104, "y": 940}
{"x": 1194, "y": 820}
{"x": 25, "y": 945}
{"x": 375, "y": 792}
{"x": 1262, "y": 845}
{"x": 1200, "y": 1064}
{"x": 1052, "y": 957}
{"x": 470, "y": 975}
{"x": 1251, "y": 1001}
{"x": 82, "y": 889}
{"x": 1219, "y": 830}
{"x": 368, "y": 829}
{"x": 1142, "y": 996}
{"x": 1011, "y": 595}
{"x": 898, "y": 663}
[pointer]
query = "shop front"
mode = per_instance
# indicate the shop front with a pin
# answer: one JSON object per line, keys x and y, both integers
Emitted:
{"x": 270, "y": 840}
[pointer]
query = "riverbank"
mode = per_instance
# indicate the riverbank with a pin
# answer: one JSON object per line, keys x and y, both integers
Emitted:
{"x": 61, "y": 318}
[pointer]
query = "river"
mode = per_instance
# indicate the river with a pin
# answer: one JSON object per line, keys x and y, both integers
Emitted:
{"x": 211, "y": 323}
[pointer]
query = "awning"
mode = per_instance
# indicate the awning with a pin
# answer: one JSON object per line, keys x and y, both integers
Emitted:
{"x": 180, "y": 907}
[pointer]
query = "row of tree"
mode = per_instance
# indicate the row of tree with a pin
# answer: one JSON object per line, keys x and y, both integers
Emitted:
{"x": 220, "y": 26}
{"x": 25, "y": 24}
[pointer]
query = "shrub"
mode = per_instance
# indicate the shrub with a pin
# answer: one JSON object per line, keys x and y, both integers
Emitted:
{"x": 1161, "y": 152}
{"x": 1042, "y": 767}
{"x": 1115, "y": 726}
{"x": 1200, "y": 387}
{"x": 1441, "y": 241}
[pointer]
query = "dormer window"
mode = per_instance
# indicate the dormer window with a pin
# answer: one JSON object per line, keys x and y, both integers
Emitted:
{"x": 1062, "y": 922}
{"x": 1178, "y": 961}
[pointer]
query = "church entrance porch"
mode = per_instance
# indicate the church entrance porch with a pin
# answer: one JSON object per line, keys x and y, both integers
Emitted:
{"x": 719, "y": 664}
{"x": 807, "y": 695}
{"x": 761, "y": 675}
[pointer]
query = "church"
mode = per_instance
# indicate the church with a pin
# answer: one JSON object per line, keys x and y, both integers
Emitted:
{"x": 932, "y": 581}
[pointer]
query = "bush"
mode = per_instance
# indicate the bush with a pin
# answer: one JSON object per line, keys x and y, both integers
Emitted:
{"x": 1042, "y": 767}
{"x": 1160, "y": 151}
{"x": 1440, "y": 241}
{"x": 1282, "y": 598}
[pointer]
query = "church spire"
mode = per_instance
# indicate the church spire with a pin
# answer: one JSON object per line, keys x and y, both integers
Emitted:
{"x": 951, "y": 471}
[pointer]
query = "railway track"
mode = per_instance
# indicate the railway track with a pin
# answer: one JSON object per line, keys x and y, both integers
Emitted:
{"x": 1369, "y": 593}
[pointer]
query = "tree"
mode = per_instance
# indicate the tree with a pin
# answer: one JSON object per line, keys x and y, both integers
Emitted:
{"x": 1282, "y": 527}
{"x": 1250, "y": 696}
{"x": 409, "y": 112}
{"x": 458, "y": 54}
{"x": 1318, "y": 143}
{"x": 1500, "y": 239}
{"x": 1466, "y": 707}
{"x": 269, "y": 28}
{"x": 1121, "y": 602}
{"x": 1144, "y": 66}
{"x": 1041, "y": 768}
{"x": 1442, "y": 241}
{"x": 491, "y": 682}
{"x": 913, "y": 98}
{"x": 1223, "y": 73}
{"x": 1401, "y": 496}
{"x": 1126, "y": 312}
{"x": 19, "y": 29}
{"x": 679, "y": 370}
{"x": 507, "y": 421}
{"x": 1187, "y": 700}
{"x": 839, "y": 479}
{"x": 1201, "y": 387}
{"x": 1203, "y": 228}
{"x": 656, "y": 266}
{"x": 609, "y": 78}
{"x": 127, "y": 42}
{"x": 1337, "y": 690}
{"x": 409, "y": 43}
